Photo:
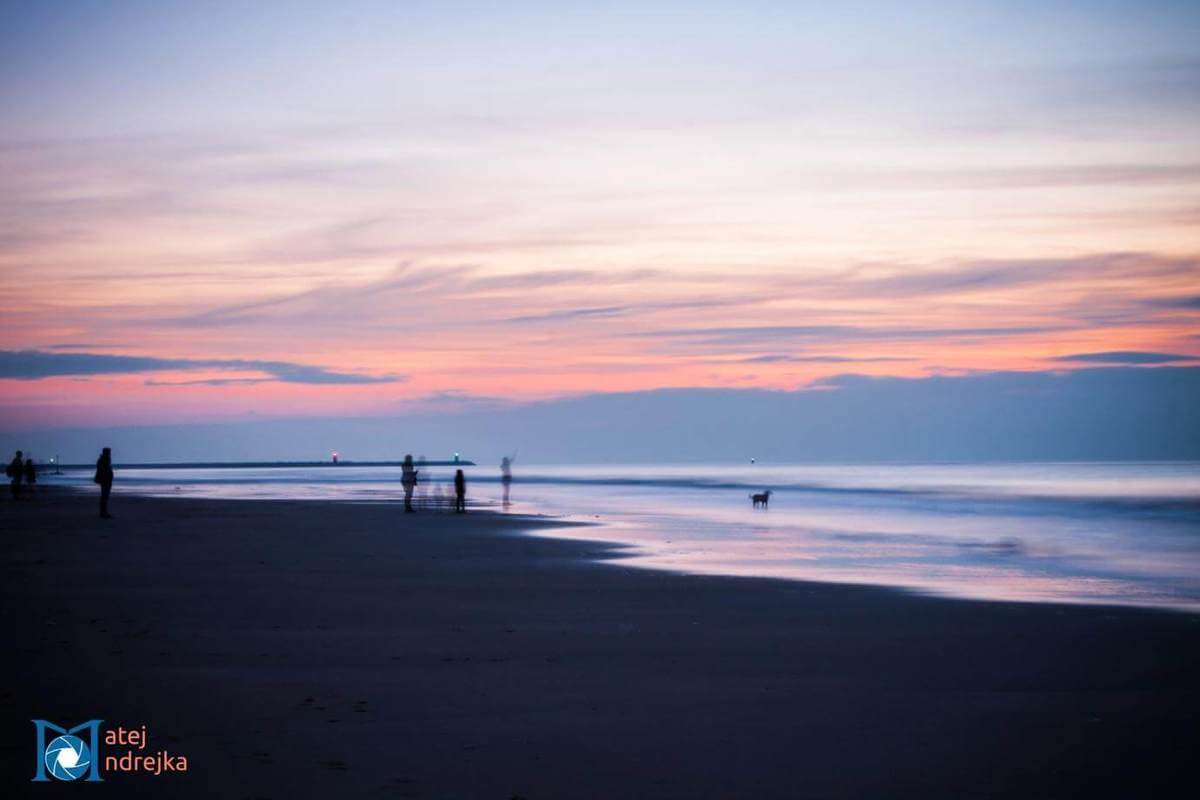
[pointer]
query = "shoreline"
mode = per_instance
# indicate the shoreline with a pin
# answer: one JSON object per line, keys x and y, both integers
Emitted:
{"x": 1095, "y": 537}
{"x": 625, "y": 554}
{"x": 316, "y": 648}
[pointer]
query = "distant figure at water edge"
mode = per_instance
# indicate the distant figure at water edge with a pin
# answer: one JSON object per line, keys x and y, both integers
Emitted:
{"x": 506, "y": 475}
{"x": 15, "y": 472}
{"x": 30, "y": 474}
{"x": 104, "y": 477}
{"x": 460, "y": 492}
{"x": 761, "y": 499}
{"x": 408, "y": 479}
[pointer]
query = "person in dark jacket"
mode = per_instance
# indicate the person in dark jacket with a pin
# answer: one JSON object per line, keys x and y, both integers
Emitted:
{"x": 460, "y": 492}
{"x": 104, "y": 477}
{"x": 15, "y": 472}
{"x": 408, "y": 479}
{"x": 30, "y": 474}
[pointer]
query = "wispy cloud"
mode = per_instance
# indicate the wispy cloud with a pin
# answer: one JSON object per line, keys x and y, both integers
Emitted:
{"x": 1188, "y": 302}
{"x": 1014, "y": 177}
{"x": 573, "y": 313}
{"x": 210, "y": 382}
{"x": 1128, "y": 357}
{"x": 882, "y": 280}
{"x": 780, "y": 358}
{"x": 341, "y": 303}
{"x": 769, "y": 333}
{"x": 598, "y": 312}
{"x": 36, "y": 364}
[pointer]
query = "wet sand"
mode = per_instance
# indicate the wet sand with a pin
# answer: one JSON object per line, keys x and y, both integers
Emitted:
{"x": 293, "y": 649}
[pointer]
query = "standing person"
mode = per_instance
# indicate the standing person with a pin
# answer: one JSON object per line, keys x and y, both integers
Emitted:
{"x": 104, "y": 477}
{"x": 460, "y": 492}
{"x": 408, "y": 479}
{"x": 506, "y": 475}
{"x": 30, "y": 474}
{"x": 15, "y": 471}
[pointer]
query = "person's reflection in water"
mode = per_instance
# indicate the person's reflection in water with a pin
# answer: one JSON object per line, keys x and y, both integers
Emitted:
{"x": 104, "y": 477}
{"x": 408, "y": 479}
{"x": 506, "y": 476}
{"x": 460, "y": 492}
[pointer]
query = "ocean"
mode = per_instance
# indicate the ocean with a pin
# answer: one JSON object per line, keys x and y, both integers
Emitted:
{"x": 1099, "y": 533}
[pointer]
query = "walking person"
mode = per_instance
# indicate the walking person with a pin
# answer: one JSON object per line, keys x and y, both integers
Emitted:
{"x": 506, "y": 476}
{"x": 15, "y": 472}
{"x": 30, "y": 474}
{"x": 408, "y": 479}
{"x": 460, "y": 492}
{"x": 104, "y": 477}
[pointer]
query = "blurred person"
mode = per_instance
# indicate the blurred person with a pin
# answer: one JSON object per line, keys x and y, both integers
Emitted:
{"x": 460, "y": 492}
{"x": 506, "y": 476}
{"x": 104, "y": 477}
{"x": 408, "y": 479}
{"x": 30, "y": 474}
{"x": 15, "y": 473}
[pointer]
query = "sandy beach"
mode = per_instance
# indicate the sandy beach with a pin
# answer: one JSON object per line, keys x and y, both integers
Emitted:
{"x": 293, "y": 649}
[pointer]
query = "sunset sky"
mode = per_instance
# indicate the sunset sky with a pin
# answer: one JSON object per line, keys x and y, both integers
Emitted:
{"x": 214, "y": 210}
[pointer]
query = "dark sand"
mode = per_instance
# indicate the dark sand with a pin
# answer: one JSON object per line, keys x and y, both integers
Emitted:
{"x": 322, "y": 650}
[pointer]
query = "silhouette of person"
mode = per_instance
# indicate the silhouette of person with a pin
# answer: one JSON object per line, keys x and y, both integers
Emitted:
{"x": 16, "y": 471}
{"x": 460, "y": 492}
{"x": 506, "y": 475}
{"x": 408, "y": 479}
{"x": 104, "y": 477}
{"x": 30, "y": 474}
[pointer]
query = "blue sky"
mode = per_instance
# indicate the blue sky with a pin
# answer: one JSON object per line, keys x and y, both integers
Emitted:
{"x": 102, "y": 68}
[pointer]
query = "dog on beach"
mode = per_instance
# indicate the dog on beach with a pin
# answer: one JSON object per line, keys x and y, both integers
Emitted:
{"x": 761, "y": 499}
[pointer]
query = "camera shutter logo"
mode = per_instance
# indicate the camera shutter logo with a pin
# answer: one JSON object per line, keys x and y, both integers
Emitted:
{"x": 67, "y": 757}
